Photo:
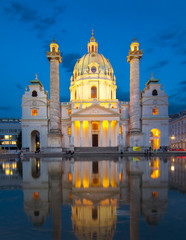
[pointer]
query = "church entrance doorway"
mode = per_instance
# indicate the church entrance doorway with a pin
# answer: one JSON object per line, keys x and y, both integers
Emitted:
{"x": 155, "y": 139}
{"x": 35, "y": 141}
{"x": 94, "y": 140}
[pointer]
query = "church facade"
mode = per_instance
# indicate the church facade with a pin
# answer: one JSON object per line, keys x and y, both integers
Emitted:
{"x": 94, "y": 117}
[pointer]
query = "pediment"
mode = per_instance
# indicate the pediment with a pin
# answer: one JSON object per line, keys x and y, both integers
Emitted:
{"x": 95, "y": 109}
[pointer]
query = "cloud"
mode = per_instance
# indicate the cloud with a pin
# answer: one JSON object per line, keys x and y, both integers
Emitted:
{"x": 39, "y": 23}
{"x": 69, "y": 61}
{"x": 178, "y": 99}
{"x": 158, "y": 65}
{"x": 176, "y": 107}
{"x": 183, "y": 82}
{"x": 173, "y": 38}
{"x": 183, "y": 62}
{"x": 19, "y": 86}
{"x": 6, "y": 108}
{"x": 24, "y": 13}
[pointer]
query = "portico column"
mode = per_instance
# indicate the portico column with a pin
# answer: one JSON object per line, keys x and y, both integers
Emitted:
{"x": 101, "y": 134}
{"x": 90, "y": 135}
{"x": 109, "y": 173}
{"x": 109, "y": 133}
{"x": 101, "y": 173}
{"x": 72, "y": 133}
{"x": 117, "y": 134}
{"x": 81, "y": 134}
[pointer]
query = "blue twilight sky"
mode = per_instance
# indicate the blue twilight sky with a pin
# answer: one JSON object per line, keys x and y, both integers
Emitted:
{"x": 28, "y": 27}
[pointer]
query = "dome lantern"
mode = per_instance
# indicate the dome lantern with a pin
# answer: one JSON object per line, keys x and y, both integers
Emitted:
{"x": 92, "y": 45}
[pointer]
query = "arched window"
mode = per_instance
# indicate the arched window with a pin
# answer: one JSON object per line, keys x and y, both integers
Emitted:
{"x": 135, "y": 48}
{"x": 92, "y": 48}
{"x": 34, "y": 94}
{"x": 154, "y": 92}
{"x": 53, "y": 49}
{"x": 94, "y": 92}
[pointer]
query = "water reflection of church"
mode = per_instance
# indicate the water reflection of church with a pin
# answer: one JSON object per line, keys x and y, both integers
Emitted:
{"x": 95, "y": 190}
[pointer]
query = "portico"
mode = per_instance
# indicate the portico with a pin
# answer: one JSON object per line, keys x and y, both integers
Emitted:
{"x": 99, "y": 128}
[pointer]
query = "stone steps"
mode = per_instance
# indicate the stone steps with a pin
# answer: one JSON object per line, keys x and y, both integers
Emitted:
{"x": 96, "y": 149}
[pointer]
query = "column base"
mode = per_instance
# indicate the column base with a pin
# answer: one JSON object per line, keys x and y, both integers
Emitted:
{"x": 54, "y": 141}
{"x": 135, "y": 139}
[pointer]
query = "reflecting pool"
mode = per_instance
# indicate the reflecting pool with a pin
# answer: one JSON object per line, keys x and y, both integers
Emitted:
{"x": 93, "y": 198}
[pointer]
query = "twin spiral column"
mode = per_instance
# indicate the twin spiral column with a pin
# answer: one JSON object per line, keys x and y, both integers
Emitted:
{"x": 135, "y": 134}
{"x": 54, "y": 136}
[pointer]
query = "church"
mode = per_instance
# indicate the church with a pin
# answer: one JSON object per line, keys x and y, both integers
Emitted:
{"x": 94, "y": 117}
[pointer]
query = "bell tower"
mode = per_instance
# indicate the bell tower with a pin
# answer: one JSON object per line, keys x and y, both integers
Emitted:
{"x": 135, "y": 134}
{"x": 54, "y": 135}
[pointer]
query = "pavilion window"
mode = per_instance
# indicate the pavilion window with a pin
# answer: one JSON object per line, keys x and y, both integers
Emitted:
{"x": 155, "y": 111}
{"x": 92, "y": 48}
{"x": 34, "y": 94}
{"x": 34, "y": 112}
{"x": 154, "y": 92}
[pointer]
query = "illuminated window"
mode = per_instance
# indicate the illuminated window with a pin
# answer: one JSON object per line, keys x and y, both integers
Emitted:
{"x": 53, "y": 49}
{"x": 154, "y": 92}
{"x": 120, "y": 130}
{"x": 7, "y": 137}
{"x": 75, "y": 95}
{"x": 34, "y": 112}
{"x": 35, "y": 195}
{"x": 155, "y": 194}
{"x": 69, "y": 131}
{"x": 111, "y": 94}
{"x": 94, "y": 126}
{"x": 34, "y": 94}
{"x": 92, "y": 48}
{"x": 69, "y": 111}
{"x": 154, "y": 111}
{"x": 120, "y": 176}
{"x": 94, "y": 92}
{"x": 70, "y": 177}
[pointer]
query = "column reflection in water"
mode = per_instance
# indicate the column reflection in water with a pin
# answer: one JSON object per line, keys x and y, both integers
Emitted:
{"x": 135, "y": 176}
{"x": 55, "y": 179}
